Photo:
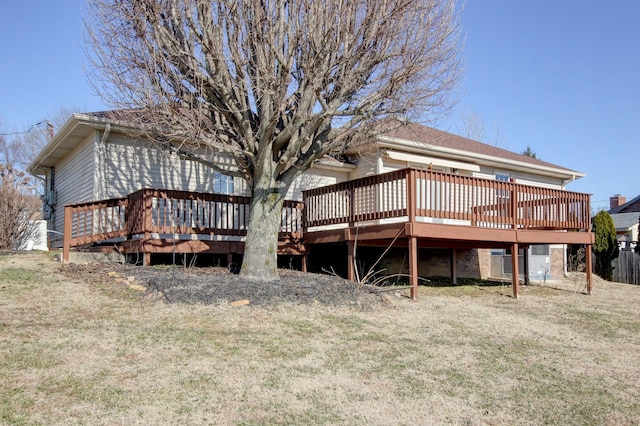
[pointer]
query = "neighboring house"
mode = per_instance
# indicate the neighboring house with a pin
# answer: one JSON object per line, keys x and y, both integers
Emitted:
{"x": 467, "y": 205}
{"x": 626, "y": 216}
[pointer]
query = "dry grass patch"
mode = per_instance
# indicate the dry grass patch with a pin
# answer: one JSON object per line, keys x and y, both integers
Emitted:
{"x": 89, "y": 350}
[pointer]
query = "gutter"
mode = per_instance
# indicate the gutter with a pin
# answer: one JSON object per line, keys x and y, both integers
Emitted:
{"x": 565, "y": 182}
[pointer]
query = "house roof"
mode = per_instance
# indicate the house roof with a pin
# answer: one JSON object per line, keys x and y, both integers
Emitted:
{"x": 75, "y": 130}
{"x": 411, "y": 137}
{"x": 437, "y": 142}
{"x": 624, "y": 221}
{"x": 632, "y": 206}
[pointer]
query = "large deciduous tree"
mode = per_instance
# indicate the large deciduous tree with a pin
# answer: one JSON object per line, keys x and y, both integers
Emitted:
{"x": 272, "y": 85}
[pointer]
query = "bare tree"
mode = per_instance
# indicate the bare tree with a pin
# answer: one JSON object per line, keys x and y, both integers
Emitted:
{"x": 19, "y": 148}
{"x": 18, "y": 207}
{"x": 472, "y": 126}
{"x": 272, "y": 85}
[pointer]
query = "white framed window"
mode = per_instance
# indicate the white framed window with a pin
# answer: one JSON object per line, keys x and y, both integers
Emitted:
{"x": 540, "y": 250}
{"x": 503, "y": 177}
{"x": 222, "y": 184}
{"x": 502, "y": 195}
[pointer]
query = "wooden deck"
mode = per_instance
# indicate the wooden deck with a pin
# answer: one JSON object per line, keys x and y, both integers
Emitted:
{"x": 410, "y": 207}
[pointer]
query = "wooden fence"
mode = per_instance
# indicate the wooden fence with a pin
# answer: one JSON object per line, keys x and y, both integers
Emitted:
{"x": 626, "y": 268}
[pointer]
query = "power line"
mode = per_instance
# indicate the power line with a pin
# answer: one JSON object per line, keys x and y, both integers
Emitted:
{"x": 47, "y": 122}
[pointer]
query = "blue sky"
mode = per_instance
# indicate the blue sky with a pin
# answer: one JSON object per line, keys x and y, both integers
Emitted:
{"x": 560, "y": 76}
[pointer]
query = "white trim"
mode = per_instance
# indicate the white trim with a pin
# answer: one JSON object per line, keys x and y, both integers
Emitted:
{"x": 421, "y": 159}
{"x": 332, "y": 165}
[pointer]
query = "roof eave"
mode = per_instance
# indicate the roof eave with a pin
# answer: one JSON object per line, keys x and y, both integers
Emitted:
{"x": 75, "y": 129}
{"x": 420, "y": 147}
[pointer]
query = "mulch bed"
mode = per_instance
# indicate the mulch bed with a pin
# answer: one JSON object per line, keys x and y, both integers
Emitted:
{"x": 216, "y": 285}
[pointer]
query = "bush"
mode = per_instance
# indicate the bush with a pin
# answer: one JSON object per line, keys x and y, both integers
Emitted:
{"x": 18, "y": 207}
{"x": 605, "y": 247}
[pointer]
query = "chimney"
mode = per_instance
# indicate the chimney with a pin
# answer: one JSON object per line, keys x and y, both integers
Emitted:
{"x": 616, "y": 200}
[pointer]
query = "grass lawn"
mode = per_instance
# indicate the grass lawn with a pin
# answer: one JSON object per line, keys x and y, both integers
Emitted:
{"x": 74, "y": 351}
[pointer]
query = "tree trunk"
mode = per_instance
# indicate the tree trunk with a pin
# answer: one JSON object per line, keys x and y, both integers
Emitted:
{"x": 261, "y": 247}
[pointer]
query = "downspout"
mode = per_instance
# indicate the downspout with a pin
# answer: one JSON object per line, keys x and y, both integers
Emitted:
{"x": 99, "y": 175}
{"x": 566, "y": 182}
{"x": 380, "y": 162}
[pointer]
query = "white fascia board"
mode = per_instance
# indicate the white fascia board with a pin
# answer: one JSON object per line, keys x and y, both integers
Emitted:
{"x": 421, "y": 159}
{"x": 332, "y": 165}
{"x": 421, "y": 147}
{"x": 69, "y": 127}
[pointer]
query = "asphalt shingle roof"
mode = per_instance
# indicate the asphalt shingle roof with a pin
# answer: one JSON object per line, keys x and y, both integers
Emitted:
{"x": 625, "y": 220}
{"x": 428, "y": 135}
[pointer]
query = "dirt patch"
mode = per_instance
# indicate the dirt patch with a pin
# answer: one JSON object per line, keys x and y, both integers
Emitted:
{"x": 216, "y": 285}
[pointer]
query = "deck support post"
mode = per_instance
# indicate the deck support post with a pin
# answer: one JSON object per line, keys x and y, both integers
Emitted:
{"x": 515, "y": 273}
{"x": 351, "y": 267}
{"x": 454, "y": 269}
{"x": 526, "y": 266}
{"x": 305, "y": 262}
{"x": 589, "y": 268}
{"x": 413, "y": 266}
{"x": 146, "y": 259}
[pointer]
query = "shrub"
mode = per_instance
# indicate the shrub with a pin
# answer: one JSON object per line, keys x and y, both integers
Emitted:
{"x": 605, "y": 247}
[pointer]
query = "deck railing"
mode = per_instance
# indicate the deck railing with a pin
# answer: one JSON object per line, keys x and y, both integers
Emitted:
{"x": 155, "y": 211}
{"x": 428, "y": 195}
{"x": 407, "y": 194}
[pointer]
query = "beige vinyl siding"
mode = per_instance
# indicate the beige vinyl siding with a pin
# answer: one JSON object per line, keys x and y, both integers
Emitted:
{"x": 367, "y": 166}
{"x": 521, "y": 177}
{"x": 132, "y": 165}
{"x": 314, "y": 178}
{"x": 74, "y": 179}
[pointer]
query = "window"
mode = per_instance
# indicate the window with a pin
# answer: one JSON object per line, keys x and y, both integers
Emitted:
{"x": 222, "y": 184}
{"x": 503, "y": 177}
{"x": 540, "y": 250}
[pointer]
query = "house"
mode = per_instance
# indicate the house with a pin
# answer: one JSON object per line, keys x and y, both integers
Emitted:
{"x": 459, "y": 207}
{"x": 626, "y": 217}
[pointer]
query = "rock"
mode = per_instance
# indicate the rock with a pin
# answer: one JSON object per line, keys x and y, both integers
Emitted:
{"x": 112, "y": 274}
{"x": 242, "y": 302}
{"x": 137, "y": 287}
{"x": 131, "y": 278}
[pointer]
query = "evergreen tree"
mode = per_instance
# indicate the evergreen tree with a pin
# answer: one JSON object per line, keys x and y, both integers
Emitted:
{"x": 605, "y": 247}
{"x": 530, "y": 153}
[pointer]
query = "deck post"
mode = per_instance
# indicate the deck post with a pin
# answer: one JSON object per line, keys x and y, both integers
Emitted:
{"x": 454, "y": 269}
{"x": 146, "y": 259}
{"x": 413, "y": 266}
{"x": 66, "y": 238}
{"x": 589, "y": 268}
{"x": 351, "y": 270}
{"x": 411, "y": 195}
{"x": 305, "y": 262}
{"x": 526, "y": 266}
{"x": 515, "y": 280}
